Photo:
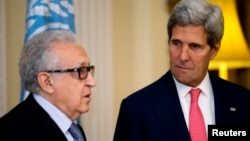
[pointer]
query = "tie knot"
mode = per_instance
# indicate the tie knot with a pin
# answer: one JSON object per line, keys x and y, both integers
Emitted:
{"x": 195, "y": 93}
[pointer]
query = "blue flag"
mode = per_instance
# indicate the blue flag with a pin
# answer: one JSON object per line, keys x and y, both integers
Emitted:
{"x": 43, "y": 15}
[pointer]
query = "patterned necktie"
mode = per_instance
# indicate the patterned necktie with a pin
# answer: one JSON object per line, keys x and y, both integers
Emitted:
{"x": 196, "y": 122}
{"x": 75, "y": 132}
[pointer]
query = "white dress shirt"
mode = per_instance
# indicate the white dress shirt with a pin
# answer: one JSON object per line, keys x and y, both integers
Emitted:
{"x": 62, "y": 121}
{"x": 206, "y": 100}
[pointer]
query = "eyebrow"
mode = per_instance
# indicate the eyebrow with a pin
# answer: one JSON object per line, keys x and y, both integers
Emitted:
{"x": 195, "y": 44}
{"x": 174, "y": 40}
{"x": 84, "y": 64}
{"x": 191, "y": 43}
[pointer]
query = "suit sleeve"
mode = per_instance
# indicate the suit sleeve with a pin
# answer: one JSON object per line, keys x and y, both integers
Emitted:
{"x": 128, "y": 125}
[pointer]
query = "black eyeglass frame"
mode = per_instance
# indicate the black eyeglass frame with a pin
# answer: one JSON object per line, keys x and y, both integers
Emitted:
{"x": 84, "y": 69}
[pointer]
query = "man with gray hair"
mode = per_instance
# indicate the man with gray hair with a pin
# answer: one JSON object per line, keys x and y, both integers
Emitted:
{"x": 181, "y": 104}
{"x": 57, "y": 72}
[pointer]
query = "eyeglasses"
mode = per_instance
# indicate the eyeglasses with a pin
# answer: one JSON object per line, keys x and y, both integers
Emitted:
{"x": 82, "y": 71}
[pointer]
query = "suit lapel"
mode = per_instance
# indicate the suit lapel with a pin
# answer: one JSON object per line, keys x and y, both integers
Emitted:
{"x": 168, "y": 108}
{"x": 47, "y": 127}
{"x": 225, "y": 107}
{"x": 231, "y": 102}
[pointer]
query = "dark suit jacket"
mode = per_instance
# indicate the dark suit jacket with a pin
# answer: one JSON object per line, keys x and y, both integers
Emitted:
{"x": 29, "y": 122}
{"x": 154, "y": 113}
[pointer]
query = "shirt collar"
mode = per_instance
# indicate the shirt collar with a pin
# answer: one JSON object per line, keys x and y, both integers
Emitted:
{"x": 57, "y": 115}
{"x": 205, "y": 86}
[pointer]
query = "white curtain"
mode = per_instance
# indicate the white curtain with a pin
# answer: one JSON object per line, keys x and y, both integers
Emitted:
{"x": 93, "y": 26}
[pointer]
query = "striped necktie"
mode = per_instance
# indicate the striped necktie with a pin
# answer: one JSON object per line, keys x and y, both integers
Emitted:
{"x": 76, "y": 132}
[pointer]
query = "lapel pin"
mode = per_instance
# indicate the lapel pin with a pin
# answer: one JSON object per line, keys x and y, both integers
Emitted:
{"x": 233, "y": 109}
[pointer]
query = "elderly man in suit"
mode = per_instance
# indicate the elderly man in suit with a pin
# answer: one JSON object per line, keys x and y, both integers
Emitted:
{"x": 163, "y": 111}
{"x": 56, "y": 70}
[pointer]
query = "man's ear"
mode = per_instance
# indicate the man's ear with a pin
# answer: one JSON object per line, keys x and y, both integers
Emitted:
{"x": 215, "y": 50}
{"x": 45, "y": 81}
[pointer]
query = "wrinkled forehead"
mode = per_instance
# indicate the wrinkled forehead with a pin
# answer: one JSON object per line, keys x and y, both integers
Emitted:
{"x": 71, "y": 55}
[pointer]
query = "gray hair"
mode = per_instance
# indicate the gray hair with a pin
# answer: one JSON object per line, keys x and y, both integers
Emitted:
{"x": 37, "y": 55}
{"x": 198, "y": 12}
